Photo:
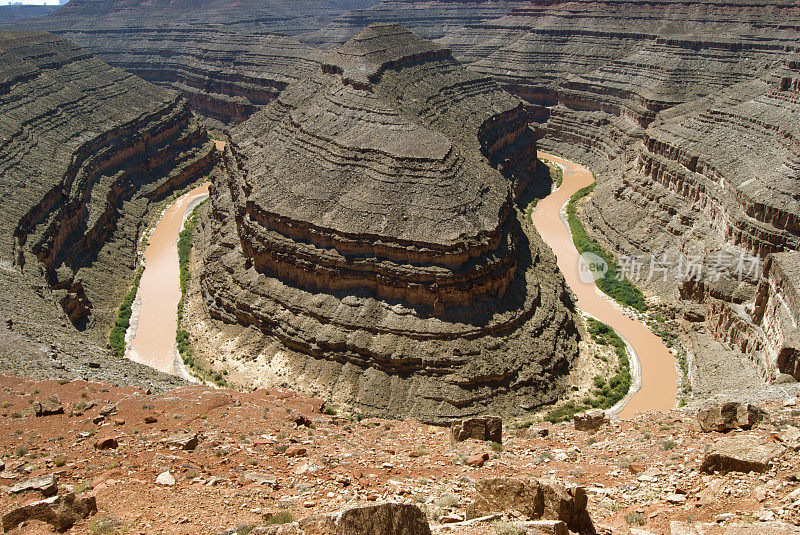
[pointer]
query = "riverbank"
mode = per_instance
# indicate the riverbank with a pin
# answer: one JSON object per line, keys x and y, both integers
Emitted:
{"x": 658, "y": 371}
{"x": 152, "y": 328}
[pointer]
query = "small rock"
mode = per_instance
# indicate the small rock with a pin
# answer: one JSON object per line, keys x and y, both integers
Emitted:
{"x": 483, "y": 428}
{"x": 303, "y": 420}
{"x": 676, "y": 499}
{"x": 548, "y": 527}
{"x": 165, "y": 479}
{"x": 295, "y": 451}
{"x": 636, "y": 468}
{"x": 184, "y": 441}
{"x": 50, "y": 406}
{"x": 477, "y": 460}
{"x": 150, "y": 419}
{"x": 106, "y": 443}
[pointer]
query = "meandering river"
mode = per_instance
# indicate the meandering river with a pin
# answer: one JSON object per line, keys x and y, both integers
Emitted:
{"x": 155, "y": 317}
{"x": 658, "y": 372}
{"x": 154, "y": 324}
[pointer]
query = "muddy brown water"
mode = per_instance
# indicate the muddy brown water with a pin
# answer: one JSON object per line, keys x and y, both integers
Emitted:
{"x": 659, "y": 375}
{"x": 159, "y": 290}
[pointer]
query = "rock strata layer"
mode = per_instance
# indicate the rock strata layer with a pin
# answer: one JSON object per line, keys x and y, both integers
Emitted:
{"x": 85, "y": 148}
{"x": 367, "y": 220}
{"x": 86, "y": 151}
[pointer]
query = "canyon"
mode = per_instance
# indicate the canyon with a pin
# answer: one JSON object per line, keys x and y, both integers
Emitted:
{"x": 87, "y": 152}
{"x": 367, "y": 221}
{"x": 372, "y": 265}
{"x": 681, "y": 110}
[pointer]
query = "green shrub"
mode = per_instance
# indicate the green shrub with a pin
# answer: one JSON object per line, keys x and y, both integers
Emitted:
{"x": 618, "y": 288}
{"x": 116, "y": 338}
{"x": 281, "y": 517}
{"x": 606, "y": 394}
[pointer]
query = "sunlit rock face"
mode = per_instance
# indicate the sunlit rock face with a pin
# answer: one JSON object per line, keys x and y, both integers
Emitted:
{"x": 367, "y": 221}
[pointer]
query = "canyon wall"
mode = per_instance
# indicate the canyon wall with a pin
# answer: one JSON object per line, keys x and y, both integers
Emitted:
{"x": 227, "y": 59}
{"x": 367, "y": 221}
{"x": 85, "y": 151}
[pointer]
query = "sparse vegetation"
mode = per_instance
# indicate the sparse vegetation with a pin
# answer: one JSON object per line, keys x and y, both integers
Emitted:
{"x": 185, "y": 239}
{"x": 116, "y": 339}
{"x": 617, "y": 287}
{"x": 606, "y": 393}
{"x": 635, "y": 519}
{"x": 281, "y": 517}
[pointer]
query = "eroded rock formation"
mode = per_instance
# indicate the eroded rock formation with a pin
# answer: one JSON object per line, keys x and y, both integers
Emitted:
{"x": 84, "y": 150}
{"x": 367, "y": 220}
{"x": 227, "y": 60}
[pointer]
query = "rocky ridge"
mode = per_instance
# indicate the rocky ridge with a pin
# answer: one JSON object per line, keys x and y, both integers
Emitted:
{"x": 367, "y": 221}
{"x": 227, "y": 61}
{"x": 86, "y": 154}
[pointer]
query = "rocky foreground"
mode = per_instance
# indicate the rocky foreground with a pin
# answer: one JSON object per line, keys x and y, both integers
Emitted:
{"x": 199, "y": 460}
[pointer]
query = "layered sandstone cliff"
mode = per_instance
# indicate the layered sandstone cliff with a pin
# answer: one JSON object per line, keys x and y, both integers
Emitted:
{"x": 366, "y": 220}
{"x": 85, "y": 149}
{"x": 228, "y": 60}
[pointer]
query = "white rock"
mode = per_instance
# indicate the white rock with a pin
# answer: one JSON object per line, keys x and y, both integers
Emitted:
{"x": 166, "y": 479}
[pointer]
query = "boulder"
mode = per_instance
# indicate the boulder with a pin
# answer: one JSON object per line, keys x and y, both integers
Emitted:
{"x": 51, "y": 405}
{"x": 762, "y": 528}
{"x": 106, "y": 443}
{"x": 184, "y": 441}
{"x": 590, "y": 420}
{"x": 722, "y": 417}
{"x": 535, "y": 499}
{"x": 548, "y": 527}
{"x": 486, "y": 428}
{"x": 789, "y": 437}
{"x": 382, "y": 519}
{"x": 740, "y": 454}
{"x": 45, "y": 484}
{"x": 61, "y": 512}
{"x": 295, "y": 451}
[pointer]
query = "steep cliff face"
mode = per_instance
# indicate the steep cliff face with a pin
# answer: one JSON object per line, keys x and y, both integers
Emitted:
{"x": 225, "y": 76}
{"x": 228, "y": 59}
{"x": 84, "y": 150}
{"x": 367, "y": 221}
{"x": 777, "y": 311}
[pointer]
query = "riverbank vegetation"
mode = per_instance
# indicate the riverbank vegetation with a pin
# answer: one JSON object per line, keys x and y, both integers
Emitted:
{"x": 606, "y": 393}
{"x": 185, "y": 242}
{"x": 611, "y": 283}
{"x": 116, "y": 338}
